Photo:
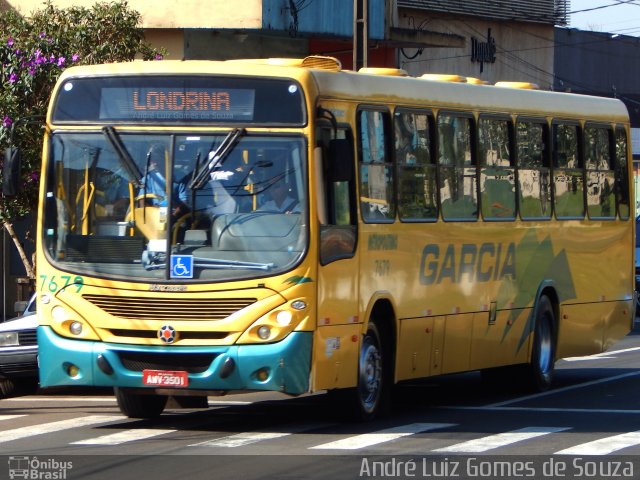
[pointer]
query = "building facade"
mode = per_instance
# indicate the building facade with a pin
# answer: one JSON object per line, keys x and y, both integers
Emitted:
{"x": 489, "y": 39}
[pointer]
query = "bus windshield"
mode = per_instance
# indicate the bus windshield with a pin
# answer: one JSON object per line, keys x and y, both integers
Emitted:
{"x": 175, "y": 207}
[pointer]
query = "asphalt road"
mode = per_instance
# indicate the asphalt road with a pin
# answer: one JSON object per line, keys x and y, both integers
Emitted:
{"x": 588, "y": 426}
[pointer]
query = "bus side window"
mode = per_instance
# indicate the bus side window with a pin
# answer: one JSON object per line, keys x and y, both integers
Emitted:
{"x": 458, "y": 179}
{"x": 416, "y": 168}
{"x": 568, "y": 176}
{"x": 600, "y": 176}
{"x": 376, "y": 168}
{"x": 622, "y": 174}
{"x": 497, "y": 176}
{"x": 338, "y": 235}
{"x": 534, "y": 183}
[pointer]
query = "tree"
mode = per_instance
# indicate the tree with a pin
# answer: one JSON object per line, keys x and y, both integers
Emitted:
{"x": 34, "y": 51}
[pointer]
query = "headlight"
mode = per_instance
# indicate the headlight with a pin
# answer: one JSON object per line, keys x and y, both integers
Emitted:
{"x": 264, "y": 332}
{"x": 9, "y": 339}
{"x": 284, "y": 317}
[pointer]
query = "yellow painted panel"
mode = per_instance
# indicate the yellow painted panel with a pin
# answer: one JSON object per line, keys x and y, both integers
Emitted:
{"x": 504, "y": 342}
{"x": 437, "y": 345}
{"x": 618, "y": 323}
{"x": 414, "y": 348}
{"x": 592, "y": 328}
{"x": 335, "y": 356}
{"x": 582, "y": 329}
{"x": 457, "y": 343}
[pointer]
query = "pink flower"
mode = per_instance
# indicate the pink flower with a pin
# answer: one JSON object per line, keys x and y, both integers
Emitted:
{"x": 10, "y": 42}
{"x": 61, "y": 61}
{"x": 13, "y": 78}
{"x": 7, "y": 121}
{"x": 158, "y": 57}
{"x": 75, "y": 57}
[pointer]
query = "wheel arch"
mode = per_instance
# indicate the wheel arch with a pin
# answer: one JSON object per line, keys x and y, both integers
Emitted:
{"x": 382, "y": 312}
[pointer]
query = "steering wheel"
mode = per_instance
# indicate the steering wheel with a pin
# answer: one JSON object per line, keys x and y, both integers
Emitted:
{"x": 142, "y": 199}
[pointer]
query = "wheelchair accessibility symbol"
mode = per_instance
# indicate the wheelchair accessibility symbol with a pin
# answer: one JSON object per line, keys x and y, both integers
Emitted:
{"x": 181, "y": 266}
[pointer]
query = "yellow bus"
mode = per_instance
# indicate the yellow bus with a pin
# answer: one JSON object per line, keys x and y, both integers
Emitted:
{"x": 284, "y": 225}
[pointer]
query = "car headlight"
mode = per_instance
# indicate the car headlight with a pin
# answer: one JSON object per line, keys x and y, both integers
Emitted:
{"x": 9, "y": 339}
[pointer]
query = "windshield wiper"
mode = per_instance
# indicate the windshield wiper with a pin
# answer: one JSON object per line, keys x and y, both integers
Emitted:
{"x": 130, "y": 167}
{"x": 212, "y": 263}
{"x": 216, "y": 158}
{"x": 151, "y": 261}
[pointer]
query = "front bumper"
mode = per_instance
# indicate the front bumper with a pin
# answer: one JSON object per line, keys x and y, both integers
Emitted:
{"x": 227, "y": 368}
{"x": 19, "y": 362}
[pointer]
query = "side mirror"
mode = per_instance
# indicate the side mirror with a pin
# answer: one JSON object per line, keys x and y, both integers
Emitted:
{"x": 11, "y": 171}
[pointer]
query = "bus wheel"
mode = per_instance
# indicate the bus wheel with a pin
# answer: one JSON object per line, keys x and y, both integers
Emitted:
{"x": 541, "y": 367}
{"x": 371, "y": 376}
{"x": 135, "y": 405}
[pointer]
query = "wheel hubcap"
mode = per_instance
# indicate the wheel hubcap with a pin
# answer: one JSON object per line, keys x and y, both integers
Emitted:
{"x": 545, "y": 354}
{"x": 370, "y": 375}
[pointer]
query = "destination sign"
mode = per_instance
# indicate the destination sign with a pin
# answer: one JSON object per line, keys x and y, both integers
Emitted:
{"x": 154, "y": 99}
{"x": 171, "y": 104}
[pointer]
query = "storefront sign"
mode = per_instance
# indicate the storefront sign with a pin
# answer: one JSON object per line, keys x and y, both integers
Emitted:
{"x": 483, "y": 52}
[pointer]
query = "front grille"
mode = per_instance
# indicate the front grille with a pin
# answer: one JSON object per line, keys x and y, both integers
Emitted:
{"x": 27, "y": 337}
{"x": 143, "y": 308}
{"x": 190, "y": 362}
{"x": 121, "y": 332}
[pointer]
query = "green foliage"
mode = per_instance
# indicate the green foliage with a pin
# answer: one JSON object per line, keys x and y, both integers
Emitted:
{"x": 33, "y": 53}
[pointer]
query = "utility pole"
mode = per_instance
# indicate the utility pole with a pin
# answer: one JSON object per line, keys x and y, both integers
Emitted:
{"x": 360, "y": 33}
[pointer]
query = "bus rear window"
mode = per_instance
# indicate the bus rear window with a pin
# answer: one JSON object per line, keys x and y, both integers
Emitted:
{"x": 180, "y": 100}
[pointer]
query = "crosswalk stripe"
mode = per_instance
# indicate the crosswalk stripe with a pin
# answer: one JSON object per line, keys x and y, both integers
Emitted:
{"x": 247, "y": 438}
{"x": 123, "y": 437}
{"x": 368, "y": 439}
{"x": 500, "y": 440}
{"x": 605, "y": 445}
{"x": 9, "y": 417}
{"x": 241, "y": 439}
{"x": 24, "y": 432}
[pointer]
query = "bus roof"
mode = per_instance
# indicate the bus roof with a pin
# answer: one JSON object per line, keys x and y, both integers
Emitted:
{"x": 385, "y": 85}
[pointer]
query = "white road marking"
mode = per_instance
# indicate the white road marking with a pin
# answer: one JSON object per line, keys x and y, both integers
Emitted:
{"x": 29, "y": 399}
{"x": 604, "y": 446}
{"x": 9, "y": 417}
{"x": 32, "y": 398}
{"x": 123, "y": 437}
{"x": 543, "y": 409}
{"x": 241, "y": 439}
{"x": 24, "y": 432}
{"x": 247, "y": 438}
{"x": 565, "y": 389}
{"x": 584, "y": 359}
{"x": 368, "y": 439}
{"x": 500, "y": 439}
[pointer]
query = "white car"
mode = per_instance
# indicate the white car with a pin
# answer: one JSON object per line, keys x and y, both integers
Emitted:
{"x": 19, "y": 353}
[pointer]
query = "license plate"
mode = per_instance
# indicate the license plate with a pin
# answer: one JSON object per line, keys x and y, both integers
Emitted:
{"x": 164, "y": 378}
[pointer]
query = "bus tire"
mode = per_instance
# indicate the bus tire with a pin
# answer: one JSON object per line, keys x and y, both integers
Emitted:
{"x": 370, "y": 395}
{"x": 135, "y": 405}
{"x": 540, "y": 369}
